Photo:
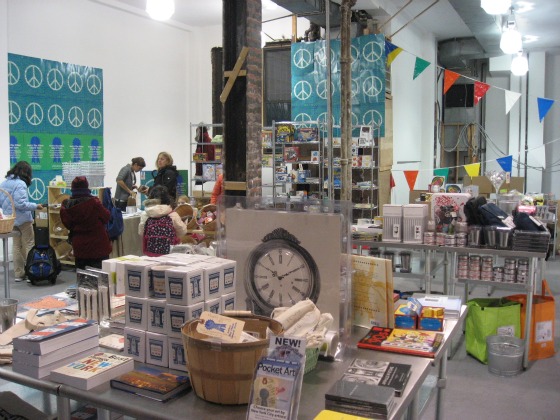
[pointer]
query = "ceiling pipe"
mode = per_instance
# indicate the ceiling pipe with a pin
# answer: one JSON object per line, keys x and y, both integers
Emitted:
{"x": 415, "y": 17}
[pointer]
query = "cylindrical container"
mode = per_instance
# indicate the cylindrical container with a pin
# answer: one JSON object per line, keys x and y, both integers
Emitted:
{"x": 450, "y": 240}
{"x": 505, "y": 354}
{"x": 429, "y": 238}
{"x": 8, "y": 311}
{"x": 390, "y": 255}
{"x": 498, "y": 274}
{"x": 490, "y": 236}
{"x": 461, "y": 239}
{"x": 223, "y": 373}
{"x": 431, "y": 226}
{"x": 474, "y": 236}
{"x": 440, "y": 239}
{"x": 462, "y": 227}
{"x": 474, "y": 267}
{"x": 405, "y": 262}
{"x": 504, "y": 235}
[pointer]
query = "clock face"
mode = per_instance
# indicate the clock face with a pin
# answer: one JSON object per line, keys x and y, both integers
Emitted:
{"x": 281, "y": 273}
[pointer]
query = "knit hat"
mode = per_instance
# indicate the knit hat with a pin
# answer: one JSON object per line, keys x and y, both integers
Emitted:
{"x": 80, "y": 187}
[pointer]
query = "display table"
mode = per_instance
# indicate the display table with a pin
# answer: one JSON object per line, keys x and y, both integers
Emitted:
{"x": 189, "y": 406}
{"x": 6, "y": 259}
{"x": 129, "y": 243}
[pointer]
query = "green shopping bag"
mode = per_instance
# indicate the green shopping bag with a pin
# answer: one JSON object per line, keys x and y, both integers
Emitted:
{"x": 490, "y": 316}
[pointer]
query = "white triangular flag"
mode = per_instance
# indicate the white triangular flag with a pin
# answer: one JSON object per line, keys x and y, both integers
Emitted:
{"x": 538, "y": 155}
{"x": 511, "y": 99}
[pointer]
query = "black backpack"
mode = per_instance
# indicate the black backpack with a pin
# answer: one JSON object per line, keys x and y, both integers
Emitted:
{"x": 472, "y": 210}
{"x": 42, "y": 264}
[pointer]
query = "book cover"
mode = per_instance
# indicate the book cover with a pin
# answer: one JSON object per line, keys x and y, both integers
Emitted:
{"x": 382, "y": 373}
{"x": 372, "y": 288}
{"x": 360, "y": 398}
{"x": 89, "y": 412}
{"x": 93, "y": 370}
{"x": 415, "y": 342}
{"x": 56, "y": 336}
{"x": 112, "y": 341}
{"x": 152, "y": 383}
{"x": 41, "y": 360}
{"x": 291, "y": 153}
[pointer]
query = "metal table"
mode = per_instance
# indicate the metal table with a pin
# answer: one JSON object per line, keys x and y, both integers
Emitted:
{"x": 5, "y": 262}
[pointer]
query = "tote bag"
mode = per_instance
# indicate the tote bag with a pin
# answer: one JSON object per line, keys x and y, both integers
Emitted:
{"x": 541, "y": 343}
{"x": 490, "y": 316}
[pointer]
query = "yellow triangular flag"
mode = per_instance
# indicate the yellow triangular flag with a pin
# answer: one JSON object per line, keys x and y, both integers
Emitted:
{"x": 473, "y": 169}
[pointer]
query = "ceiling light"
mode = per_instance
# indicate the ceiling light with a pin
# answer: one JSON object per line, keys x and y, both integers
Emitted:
{"x": 519, "y": 65}
{"x": 511, "y": 41}
{"x": 160, "y": 9}
{"x": 495, "y": 7}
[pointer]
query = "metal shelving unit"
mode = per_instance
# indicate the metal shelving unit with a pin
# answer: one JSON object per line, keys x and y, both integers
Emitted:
{"x": 212, "y": 167}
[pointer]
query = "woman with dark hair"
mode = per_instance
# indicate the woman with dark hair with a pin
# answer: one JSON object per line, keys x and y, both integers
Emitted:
{"x": 203, "y": 145}
{"x": 126, "y": 182}
{"x": 86, "y": 218}
{"x": 18, "y": 179}
{"x": 166, "y": 174}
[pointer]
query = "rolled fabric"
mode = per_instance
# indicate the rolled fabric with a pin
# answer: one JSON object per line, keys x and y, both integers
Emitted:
{"x": 295, "y": 313}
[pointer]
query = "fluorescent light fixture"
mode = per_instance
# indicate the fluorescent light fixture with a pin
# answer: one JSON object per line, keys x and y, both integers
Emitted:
{"x": 495, "y": 7}
{"x": 519, "y": 65}
{"x": 511, "y": 42}
{"x": 160, "y": 9}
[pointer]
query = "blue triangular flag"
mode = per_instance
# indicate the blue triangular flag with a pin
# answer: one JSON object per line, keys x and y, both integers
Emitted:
{"x": 544, "y": 107}
{"x": 505, "y": 162}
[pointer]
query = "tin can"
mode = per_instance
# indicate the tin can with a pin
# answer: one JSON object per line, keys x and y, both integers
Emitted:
{"x": 429, "y": 238}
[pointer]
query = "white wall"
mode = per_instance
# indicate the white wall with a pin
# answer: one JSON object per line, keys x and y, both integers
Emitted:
{"x": 157, "y": 78}
{"x": 551, "y": 179}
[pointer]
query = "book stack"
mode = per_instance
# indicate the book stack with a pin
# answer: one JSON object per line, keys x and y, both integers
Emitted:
{"x": 422, "y": 343}
{"x": 38, "y": 353}
{"x": 381, "y": 373}
{"x": 360, "y": 399}
{"x": 93, "y": 370}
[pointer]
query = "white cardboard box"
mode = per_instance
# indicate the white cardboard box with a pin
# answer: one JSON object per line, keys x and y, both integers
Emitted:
{"x": 228, "y": 302}
{"x": 135, "y": 344}
{"x": 229, "y": 269}
{"x": 157, "y": 310}
{"x": 212, "y": 276}
{"x": 214, "y": 305}
{"x": 177, "y": 315}
{"x": 184, "y": 285}
{"x": 157, "y": 352}
{"x": 177, "y": 354}
{"x": 159, "y": 289}
{"x": 194, "y": 311}
{"x": 115, "y": 267}
{"x": 137, "y": 281}
{"x": 136, "y": 313}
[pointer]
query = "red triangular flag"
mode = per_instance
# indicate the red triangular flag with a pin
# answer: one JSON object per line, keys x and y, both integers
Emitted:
{"x": 449, "y": 78}
{"x": 411, "y": 178}
{"x": 392, "y": 182}
{"x": 480, "y": 90}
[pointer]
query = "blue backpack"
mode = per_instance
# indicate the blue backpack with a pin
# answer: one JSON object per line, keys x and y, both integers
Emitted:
{"x": 115, "y": 227}
{"x": 42, "y": 264}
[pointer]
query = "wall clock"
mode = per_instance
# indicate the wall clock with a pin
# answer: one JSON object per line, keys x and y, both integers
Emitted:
{"x": 280, "y": 272}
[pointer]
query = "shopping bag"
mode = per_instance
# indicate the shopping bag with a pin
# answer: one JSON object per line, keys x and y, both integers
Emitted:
{"x": 541, "y": 343}
{"x": 490, "y": 316}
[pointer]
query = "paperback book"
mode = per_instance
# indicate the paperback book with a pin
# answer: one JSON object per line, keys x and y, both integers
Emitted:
{"x": 152, "y": 383}
{"x": 56, "y": 336}
{"x": 381, "y": 373}
{"x": 43, "y": 372}
{"x": 41, "y": 360}
{"x": 112, "y": 341}
{"x": 415, "y": 342}
{"x": 93, "y": 370}
{"x": 360, "y": 399}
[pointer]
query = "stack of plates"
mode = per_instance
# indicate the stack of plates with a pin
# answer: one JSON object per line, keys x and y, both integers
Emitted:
{"x": 524, "y": 240}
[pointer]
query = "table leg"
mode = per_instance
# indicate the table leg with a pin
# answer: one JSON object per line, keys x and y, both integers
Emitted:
{"x": 428, "y": 271}
{"x": 441, "y": 383}
{"x": 412, "y": 412}
{"x": 63, "y": 407}
{"x": 446, "y": 266}
{"x": 6, "y": 265}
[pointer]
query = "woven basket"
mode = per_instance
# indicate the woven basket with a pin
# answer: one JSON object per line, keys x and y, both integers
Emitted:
{"x": 223, "y": 373}
{"x": 211, "y": 225}
{"x": 7, "y": 222}
{"x": 188, "y": 214}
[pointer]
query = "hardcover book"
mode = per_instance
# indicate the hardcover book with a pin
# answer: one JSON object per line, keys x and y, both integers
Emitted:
{"x": 415, "y": 342}
{"x": 291, "y": 153}
{"x": 56, "y": 336}
{"x": 382, "y": 373}
{"x": 152, "y": 383}
{"x": 112, "y": 341}
{"x": 360, "y": 399}
{"x": 93, "y": 370}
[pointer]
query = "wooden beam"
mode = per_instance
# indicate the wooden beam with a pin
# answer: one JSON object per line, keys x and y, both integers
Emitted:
{"x": 234, "y": 73}
{"x": 230, "y": 73}
{"x": 235, "y": 186}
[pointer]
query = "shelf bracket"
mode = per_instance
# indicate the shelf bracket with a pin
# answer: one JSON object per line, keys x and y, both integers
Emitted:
{"x": 232, "y": 75}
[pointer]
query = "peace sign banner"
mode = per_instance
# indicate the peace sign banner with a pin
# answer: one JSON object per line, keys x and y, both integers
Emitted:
{"x": 55, "y": 112}
{"x": 309, "y": 81}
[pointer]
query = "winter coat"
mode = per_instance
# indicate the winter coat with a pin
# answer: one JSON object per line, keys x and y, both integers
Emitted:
{"x": 153, "y": 208}
{"x": 86, "y": 218}
{"x": 18, "y": 190}
{"x": 168, "y": 177}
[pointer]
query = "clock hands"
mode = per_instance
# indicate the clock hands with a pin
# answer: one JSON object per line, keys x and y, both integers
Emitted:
{"x": 290, "y": 272}
{"x": 274, "y": 272}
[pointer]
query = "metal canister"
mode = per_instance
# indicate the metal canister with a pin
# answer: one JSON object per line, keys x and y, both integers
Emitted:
{"x": 499, "y": 274}
{"x": 440, "y": 239}
{"x": 462, "y": 239}
{"x": 449, "y": 240}
{"x": 429, "y": 238}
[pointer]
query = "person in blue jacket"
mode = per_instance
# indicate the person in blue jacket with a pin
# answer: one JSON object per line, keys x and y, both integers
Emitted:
{"x": 18, "y": 180}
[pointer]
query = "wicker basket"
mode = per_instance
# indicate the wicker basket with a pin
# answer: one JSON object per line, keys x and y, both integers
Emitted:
{"x": 7, "y": 221}
{"x": 209, "y": 226}
{"x": 188, "y": 214}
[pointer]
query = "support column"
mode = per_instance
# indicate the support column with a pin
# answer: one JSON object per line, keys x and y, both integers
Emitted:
{"x": 243, "y": 107}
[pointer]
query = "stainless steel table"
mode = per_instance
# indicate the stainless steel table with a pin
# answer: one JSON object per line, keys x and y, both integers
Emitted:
{"x": 315, "y": 385}
{"x": 5, "y": 261}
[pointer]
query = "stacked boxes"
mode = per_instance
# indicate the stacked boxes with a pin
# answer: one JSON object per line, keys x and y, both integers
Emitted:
{"x": 163, "y": 293}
